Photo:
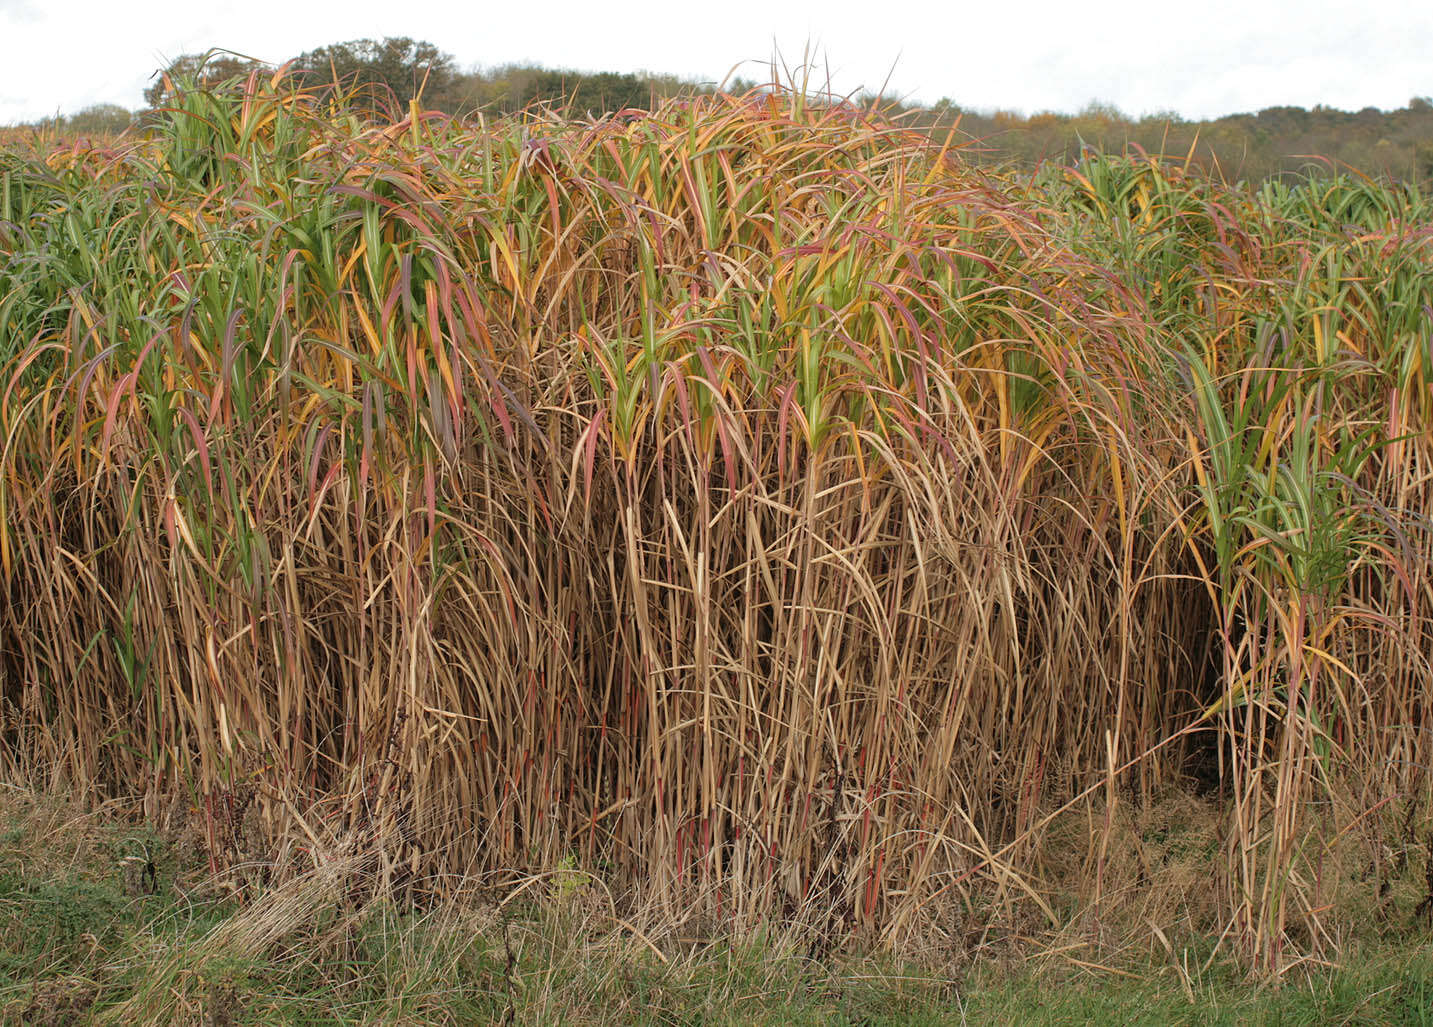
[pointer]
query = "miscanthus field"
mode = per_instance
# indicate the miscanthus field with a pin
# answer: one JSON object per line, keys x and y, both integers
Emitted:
{"x": 750, "y": 510}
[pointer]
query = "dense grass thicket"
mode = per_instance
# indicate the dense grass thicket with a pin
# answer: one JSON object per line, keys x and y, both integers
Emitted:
{"x": 751, "y": 503}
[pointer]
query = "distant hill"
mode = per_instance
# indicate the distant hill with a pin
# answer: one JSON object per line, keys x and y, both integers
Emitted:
{"x": 1395, "y": 144}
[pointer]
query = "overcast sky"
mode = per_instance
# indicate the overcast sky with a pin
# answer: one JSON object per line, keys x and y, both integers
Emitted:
{"x": 1199, "y": 59}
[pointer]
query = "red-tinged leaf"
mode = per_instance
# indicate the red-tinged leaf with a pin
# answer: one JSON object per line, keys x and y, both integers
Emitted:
{"x": 656, "y": 237}
{"x": 148, "y": 348}
{"x": 186, "y": 327}
{"x": 287, "y": 266}
{"x": 430, "y": 303}
{"x": 390, "y": 303}
{"x": 91, "y": 367}
{"x": 416, "y": 221}
{"x": 316, "y": 502}
{"x": 496, "y": 398}
{"x": 316, "y": 457}
{"x": 553, "y": 206}
{"x": 125, "y": 384}
{"x": 589, "y": 443}
{"x": 363, "y": 194}
{"x": 229, "y": 353}
{"x": 807, "y": 250}
{"x": 405, "y": 286}
{"x": 202, "y": 447}
{"x": 726, "y": 452}
{"x": 429, "y": 495}
{"x": 455, "y": 376}
{"x": 516, "y": 406}
{"x": 169, "y": 528}
{"x": 704, "y": 355}
{"x": 19, "y": 372}
{"x": 411, "y": 357}
{"x": 679, "y": 384}
{"x": 366, "y": 427}
{"x": 445, "y": 290}
{"x": 474, "y": 314}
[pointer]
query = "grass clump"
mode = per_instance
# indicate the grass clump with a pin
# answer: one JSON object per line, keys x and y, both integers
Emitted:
{"x": 746, "y": 504}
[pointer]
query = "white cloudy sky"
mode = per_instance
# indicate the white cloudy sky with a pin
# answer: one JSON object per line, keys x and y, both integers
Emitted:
{"x": 1200, "y": 59}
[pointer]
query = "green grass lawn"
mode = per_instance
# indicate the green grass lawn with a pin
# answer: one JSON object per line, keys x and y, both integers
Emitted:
{"x": 102, "y": 921}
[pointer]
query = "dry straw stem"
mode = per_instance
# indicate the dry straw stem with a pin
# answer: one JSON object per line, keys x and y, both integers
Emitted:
{"x": 748, "y": 500}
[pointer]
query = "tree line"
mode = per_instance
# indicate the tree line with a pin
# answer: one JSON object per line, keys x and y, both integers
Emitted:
{"x": 1275, "y": 141}
{"x": 381, "y": 77}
